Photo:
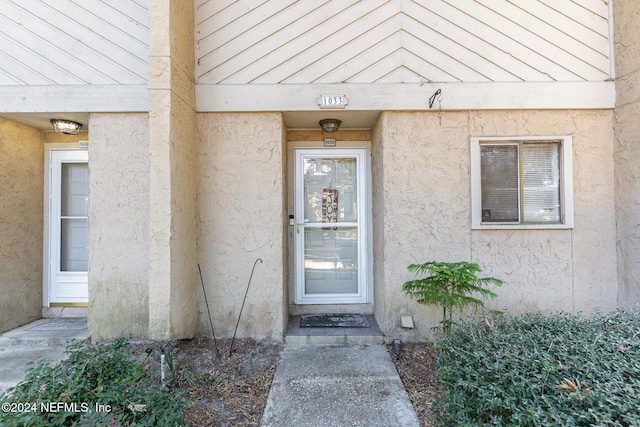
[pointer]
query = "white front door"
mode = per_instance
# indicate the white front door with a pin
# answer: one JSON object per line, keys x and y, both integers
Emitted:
{"x": 331, "y": 254}
{"x": 66, "y": 244}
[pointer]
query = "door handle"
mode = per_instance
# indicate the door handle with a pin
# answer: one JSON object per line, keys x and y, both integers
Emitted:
{"x": 298, "y": 224}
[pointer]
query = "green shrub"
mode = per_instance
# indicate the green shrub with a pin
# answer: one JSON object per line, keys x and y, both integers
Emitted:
{"x": 100, "y": 385}
{"x": 451, "y": 285}
{"x": 534, "y": 370}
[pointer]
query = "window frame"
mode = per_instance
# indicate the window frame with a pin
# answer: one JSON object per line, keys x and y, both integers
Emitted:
{"x": 566, "y": 181}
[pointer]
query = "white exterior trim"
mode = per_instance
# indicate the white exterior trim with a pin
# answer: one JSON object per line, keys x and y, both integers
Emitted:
{"x": 51, "y": 232}
{"x": 362, "y": 97}
{"x": 365, "y": 285}
{"x": 408, "y": 97}
{"x": 77, "y": 99}
{"x": 566, "y": 185}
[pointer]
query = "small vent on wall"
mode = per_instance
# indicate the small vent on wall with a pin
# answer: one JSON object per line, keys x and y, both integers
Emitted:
{"x": 83, "y": 144}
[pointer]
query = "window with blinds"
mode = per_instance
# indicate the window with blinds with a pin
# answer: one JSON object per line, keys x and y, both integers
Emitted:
{"x": 500, "y": 183}
{"x": 520, "y": 182}
{"x": 541, "y": 183}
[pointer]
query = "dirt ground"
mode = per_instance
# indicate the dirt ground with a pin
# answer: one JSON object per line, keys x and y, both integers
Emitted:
{"x": 224, "y": 390}
{"x": 416, "y": 365}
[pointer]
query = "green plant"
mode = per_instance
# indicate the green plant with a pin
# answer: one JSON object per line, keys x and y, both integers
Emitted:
{"x": 99, "y": 385}
{"x": 450, "y": 285}
{"x": 169, "y": 359}
{"x": 534, "y": 370}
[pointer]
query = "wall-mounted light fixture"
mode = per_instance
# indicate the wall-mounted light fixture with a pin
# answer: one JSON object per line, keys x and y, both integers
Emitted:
{"x": 68, "y": 127}
{"x": 330, "y": 125}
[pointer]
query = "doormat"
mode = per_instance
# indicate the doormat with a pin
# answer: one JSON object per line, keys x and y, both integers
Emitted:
{"x": 334, "y": 321}
{"x": 61, "y": 324}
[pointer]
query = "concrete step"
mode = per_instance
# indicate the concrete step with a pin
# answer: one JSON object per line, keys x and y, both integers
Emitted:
{"x": 308, "y": 340}
{"x": 297, "y": 336}
{"x": 50, "y": 332}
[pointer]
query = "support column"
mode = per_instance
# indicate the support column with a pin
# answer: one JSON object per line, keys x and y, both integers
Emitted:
{"x": 627, "y": 149}
{"x": 172, "y": 158}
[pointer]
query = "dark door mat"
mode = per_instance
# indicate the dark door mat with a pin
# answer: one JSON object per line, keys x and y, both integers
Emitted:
{"x": 61, "y": 324}
{"x": 334, "y": 321}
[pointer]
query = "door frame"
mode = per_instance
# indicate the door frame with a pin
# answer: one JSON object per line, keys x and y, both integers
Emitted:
{"x": 365, "y": 253}
{"x": 53, "y": 233}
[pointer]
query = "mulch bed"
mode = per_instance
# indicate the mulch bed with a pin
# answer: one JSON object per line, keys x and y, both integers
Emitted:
{"x": 417, "y": 368}
{"x": 231, "y": 390}
{"x": 222, "y": 390}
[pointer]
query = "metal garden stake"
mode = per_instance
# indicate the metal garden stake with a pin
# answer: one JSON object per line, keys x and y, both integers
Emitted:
{"x": 215, "y": 343}
{"x": 245, "y": 298}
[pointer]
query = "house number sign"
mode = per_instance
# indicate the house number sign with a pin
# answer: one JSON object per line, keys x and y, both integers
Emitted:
{"x": 332, "y": 101}
{"x": 329, "y": 142}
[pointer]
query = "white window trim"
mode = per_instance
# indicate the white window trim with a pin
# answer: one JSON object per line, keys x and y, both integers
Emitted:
{"x": 566, "y": 182}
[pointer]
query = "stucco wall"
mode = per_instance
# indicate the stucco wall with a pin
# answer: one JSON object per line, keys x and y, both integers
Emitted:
{"x": 172, "y": 191}
{"x": 118, "y": 225}
{"x": 425, "y": 207}
{"x": 240, "y": 219}
{"x": 21, "y": 193}
{"x": 627, "y": 148}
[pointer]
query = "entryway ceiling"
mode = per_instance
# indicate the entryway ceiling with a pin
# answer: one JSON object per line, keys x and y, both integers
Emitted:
{"x": 350, "y": 119}
{"x": 42, "y": 121}
{"x": 292, "y": 119}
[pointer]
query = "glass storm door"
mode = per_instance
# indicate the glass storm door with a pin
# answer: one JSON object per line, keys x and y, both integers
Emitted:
{"x": 68, "y": 227}
{"x": 330, "y": 226}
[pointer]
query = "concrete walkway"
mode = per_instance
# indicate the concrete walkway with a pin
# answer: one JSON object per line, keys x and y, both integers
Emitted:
{"x": 326, "y": 386}
{"x": 314, "y": 385}
{"x": 44, "y": 340}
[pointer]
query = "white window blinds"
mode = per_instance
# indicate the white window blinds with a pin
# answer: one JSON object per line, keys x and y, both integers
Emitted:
{"x": 541, "y": 183}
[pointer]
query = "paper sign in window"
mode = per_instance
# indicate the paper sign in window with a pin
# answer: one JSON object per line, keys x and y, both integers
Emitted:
{"x": 329, "y": 205}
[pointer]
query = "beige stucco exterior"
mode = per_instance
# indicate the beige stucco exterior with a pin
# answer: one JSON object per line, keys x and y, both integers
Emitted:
{"x": 184, "y": 182}
{"x": 119, "y": 226}
{"x": 21, "y": 198}
{"x": 627, "y": 149}
{"x": 241, "y": 211}
{"x": 421, "y": 202}
{"x": 172, "y": 186}
{"x": 422, "y": 213}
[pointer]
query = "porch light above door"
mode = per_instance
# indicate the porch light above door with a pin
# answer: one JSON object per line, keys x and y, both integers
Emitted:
{"x": 67, "y": 127}
{"x": 330, "y": 125}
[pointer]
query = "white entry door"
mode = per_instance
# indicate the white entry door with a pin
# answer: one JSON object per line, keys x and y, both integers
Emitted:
{"x": 331, "y": 226}
{"x": 67, "y": 237}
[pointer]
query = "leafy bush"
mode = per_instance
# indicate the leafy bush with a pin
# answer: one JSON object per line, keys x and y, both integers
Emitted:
{"x": 100, "y": 385}
{"x": 450, "y": 285}
{"x": 536, "y": 370}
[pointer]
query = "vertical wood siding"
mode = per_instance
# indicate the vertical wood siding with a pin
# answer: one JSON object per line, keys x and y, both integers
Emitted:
{"x": 368, "y": 41}
{"x": 73, "y": 42}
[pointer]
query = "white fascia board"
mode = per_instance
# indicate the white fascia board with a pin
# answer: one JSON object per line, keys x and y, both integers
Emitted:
{"x": 408, "y": 97}
{"x": 82, "y": 98}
